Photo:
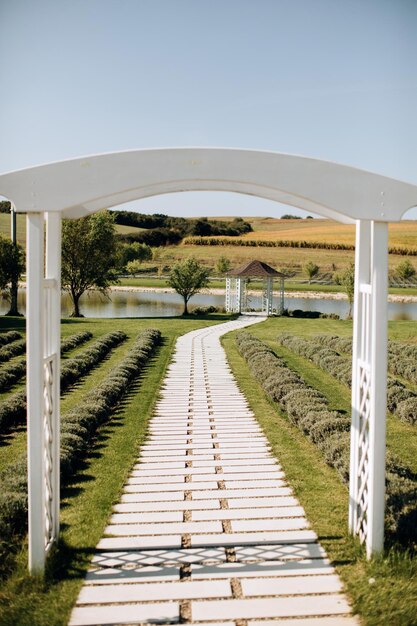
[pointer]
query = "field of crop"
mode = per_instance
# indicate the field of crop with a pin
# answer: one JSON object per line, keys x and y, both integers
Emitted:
{"x": 400, "y": 234}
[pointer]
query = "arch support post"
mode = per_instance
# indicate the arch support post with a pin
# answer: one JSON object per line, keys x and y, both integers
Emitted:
{"x": 369, "y": 386}
{"x": 43, "y": 376}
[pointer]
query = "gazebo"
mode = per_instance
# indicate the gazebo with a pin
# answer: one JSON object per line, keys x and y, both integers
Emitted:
{"x": 236, "y": 287}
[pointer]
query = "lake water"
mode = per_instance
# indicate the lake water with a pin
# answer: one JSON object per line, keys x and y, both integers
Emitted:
{"x": 159, "y": 304}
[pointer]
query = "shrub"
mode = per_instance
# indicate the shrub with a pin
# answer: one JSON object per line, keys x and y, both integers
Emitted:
{"x": 12, "y": 349}
{"x": 69, "y": 343}
{"x": 407, "y": 410}
{"x": 9, "y": 337}
{"x": 11, "y": 375}
{"x": 405, "y": 270}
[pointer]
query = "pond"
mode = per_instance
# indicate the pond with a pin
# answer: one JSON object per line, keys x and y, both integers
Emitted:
{"x": 161, "y": 304}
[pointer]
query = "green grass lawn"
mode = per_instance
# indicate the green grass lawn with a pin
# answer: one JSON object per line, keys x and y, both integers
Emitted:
{"x": 382, "y": 591}
{"x": 87, "y": 501}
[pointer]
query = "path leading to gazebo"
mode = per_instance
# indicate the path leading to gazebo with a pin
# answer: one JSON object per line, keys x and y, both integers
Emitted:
{"x": 207, "y": 530}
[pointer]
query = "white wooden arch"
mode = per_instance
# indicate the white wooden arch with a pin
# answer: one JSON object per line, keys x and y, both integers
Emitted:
{"x": 78, "y": 187}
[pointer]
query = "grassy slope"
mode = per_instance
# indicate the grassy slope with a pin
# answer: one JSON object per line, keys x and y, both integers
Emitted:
{"x": 382, "y": 591}
{"x": 86, "y": 503}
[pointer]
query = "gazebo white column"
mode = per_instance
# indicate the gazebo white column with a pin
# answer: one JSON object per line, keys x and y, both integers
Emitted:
{"x": 267, "y": 296}
{"x": 369, "y": 386}
{"x": 43, "y": 383}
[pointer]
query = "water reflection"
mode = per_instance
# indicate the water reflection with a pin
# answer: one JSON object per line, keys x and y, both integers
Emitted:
{"x": 160, "y": 304}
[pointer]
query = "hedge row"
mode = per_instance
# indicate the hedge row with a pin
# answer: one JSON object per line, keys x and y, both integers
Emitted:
{"x": 265, "y": 243}
{"x": 402, "y": 357}
{"x": 78, "y": 428}
{"x": 10, "y": 350}
{"x": 16, "y": 371}
{"x": 308, "y": 409}
{"x": 401, "y": 362}
{"x": 11, "y": 375}
{"x": 11, "y": 335}
{"x": 284, "y": 243}
{"x": 73, "y": 341}
{"x": 13, "y": 410}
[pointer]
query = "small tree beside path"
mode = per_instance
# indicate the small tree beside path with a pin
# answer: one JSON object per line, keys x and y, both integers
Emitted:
{"x": 188, "y": 277}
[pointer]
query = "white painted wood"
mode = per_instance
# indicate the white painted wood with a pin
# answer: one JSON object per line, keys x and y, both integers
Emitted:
{"x": 329, "y": 189}
{"x": 53, "y": 347}
{"x": 377, "y": 427}
{"x": 362, "y": 276}
{"x": 35, "y": 314}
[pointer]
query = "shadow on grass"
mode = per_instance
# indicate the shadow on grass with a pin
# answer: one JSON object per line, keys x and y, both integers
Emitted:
{"x": 12, "y": 323}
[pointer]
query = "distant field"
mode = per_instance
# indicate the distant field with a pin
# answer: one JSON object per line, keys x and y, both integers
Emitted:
{"x": 21, "y": 227}
{"x": 266, "y": 228}
{"x": 402, "y": 234}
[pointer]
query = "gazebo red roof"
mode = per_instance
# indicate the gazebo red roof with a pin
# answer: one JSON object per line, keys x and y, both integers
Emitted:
{"x": 256, "y": 269}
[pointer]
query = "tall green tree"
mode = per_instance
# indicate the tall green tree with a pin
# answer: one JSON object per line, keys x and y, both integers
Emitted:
{"x": 188, "y": 277}
{"x": 222, "y": 265}
{"x": 405, "y": 270}
{"x": 311, "y": 269}
{"x": 88, "y": 255}
{"x": 12, "y": 266}
{"x": 134, "y": 251}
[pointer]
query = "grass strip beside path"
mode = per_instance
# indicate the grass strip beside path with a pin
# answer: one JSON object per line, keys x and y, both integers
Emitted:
{"x": 382, "y": 591}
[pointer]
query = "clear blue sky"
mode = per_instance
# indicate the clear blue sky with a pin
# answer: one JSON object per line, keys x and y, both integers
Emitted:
{"x": 333, "y": 79}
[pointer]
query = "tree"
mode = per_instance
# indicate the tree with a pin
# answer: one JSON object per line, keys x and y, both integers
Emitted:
{"x": 347, "y": 279}
{"x": 311, "y": 270}
{"x": 133, "y": 267}
{"x": 222, "y": 265}
{"x": 135, "y": 251}
{"x": 405, "y": 270}
{"x": 12, "y": 266}
{"x": 188, "y": 277}
{"x": 88, "y": 255}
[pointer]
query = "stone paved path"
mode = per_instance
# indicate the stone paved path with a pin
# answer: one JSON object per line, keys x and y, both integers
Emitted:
{"x": 207, "y": 530}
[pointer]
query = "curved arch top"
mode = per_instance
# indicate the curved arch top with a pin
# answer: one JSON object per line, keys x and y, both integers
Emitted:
{"x": 80, "y": 186}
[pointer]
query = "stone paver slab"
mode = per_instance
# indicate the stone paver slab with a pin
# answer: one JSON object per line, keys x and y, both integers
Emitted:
{"x": 233, "y": 539}
{"x": 242, "y": 493}
{"x": 131, "y": 613}
{"x": 180, "y": 505}
{"x": 298, "y": 585}
{"x": 111, "y": 594}
{"x": 272, "y": 607}
{"x": 146, "y": 517}
{"x": 287, "y": 523}
{"x": 296, "y": 551}
{"x": 306, "y": 568}
{"x": 132, "y": 543}
{"x": 130, "y": 530}
{"x": 249, "y": 513}
{"x": 156, "y": 488}
{"x": 309, "y": 621}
